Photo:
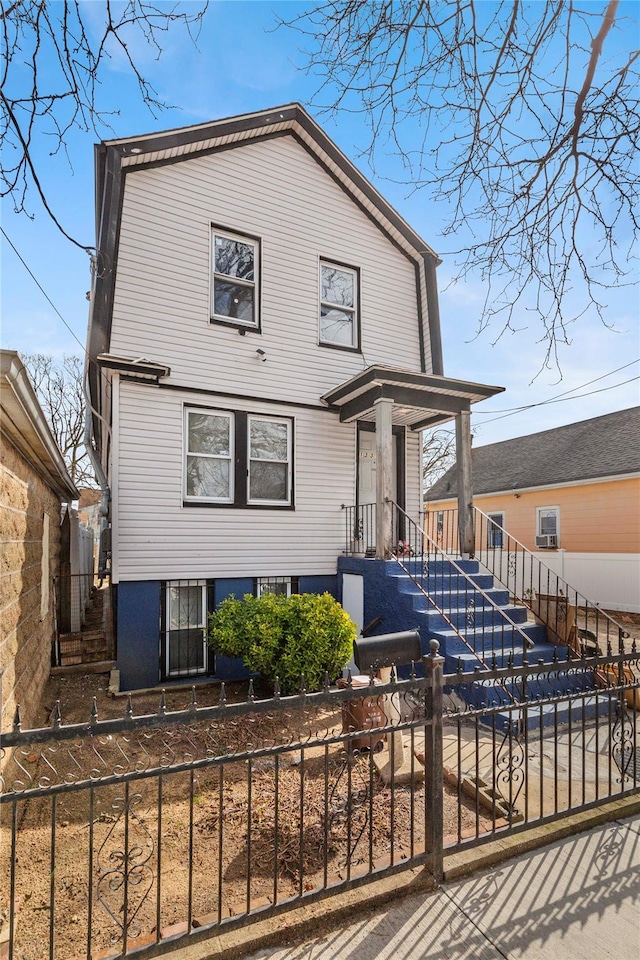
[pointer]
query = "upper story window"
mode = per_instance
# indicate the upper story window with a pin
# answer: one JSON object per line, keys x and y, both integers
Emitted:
{"x": 339, "y": 298}
{"x": 235, "y": 279}
{"x": 209, "y": 456}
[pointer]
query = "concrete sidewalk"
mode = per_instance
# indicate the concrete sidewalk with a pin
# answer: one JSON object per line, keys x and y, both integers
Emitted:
{"x": 576, "y": 899}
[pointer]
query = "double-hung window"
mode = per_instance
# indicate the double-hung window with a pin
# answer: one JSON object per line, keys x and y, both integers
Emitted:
{"x": 235, "y": 279}
{"x": 238, "y": 459}
{"x": 548, "y": 524}
{"x": 339, "y": 296}
{"x": 209, "y": 440}
{"x": 269, "y": 460}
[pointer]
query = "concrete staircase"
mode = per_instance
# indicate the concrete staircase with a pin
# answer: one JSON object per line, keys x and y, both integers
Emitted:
{"x": 496, "y": 631}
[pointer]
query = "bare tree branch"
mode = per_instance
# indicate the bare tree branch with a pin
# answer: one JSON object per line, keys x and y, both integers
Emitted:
{"x": 522, "y": 120}
{"x": 59, "y": 390}
{"x": 54, "y": 59}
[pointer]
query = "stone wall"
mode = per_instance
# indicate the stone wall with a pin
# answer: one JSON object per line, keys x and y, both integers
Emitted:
{"x": 26, "y": 615}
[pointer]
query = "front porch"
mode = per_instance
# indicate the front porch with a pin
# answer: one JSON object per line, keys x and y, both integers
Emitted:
{"x": 393, "y": 398}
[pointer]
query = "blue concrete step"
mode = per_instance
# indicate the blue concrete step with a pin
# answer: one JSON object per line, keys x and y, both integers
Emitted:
{"x": 474, "y": 619}
{"x": 443, "y": 583}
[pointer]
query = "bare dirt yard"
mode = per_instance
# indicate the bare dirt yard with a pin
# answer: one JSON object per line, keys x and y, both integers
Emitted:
{"x": 194, "y": 843}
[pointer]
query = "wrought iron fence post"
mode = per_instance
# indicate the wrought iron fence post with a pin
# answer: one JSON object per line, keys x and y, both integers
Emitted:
{"x": 434, "y": 779}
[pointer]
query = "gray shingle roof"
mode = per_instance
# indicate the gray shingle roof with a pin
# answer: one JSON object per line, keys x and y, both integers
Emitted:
{"x": 602, "y": 447}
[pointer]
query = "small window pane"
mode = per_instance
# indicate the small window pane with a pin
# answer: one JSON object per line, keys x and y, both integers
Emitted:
{"x": 548, "y": 522}
{"x": 209, "y": 434}
{"x": 269, "y": 440}
{"x": 185, "y": 607}
{"x": 233, "y": 300}
{"x": 268, "y": 481}
{"x": 277, "y": 586}
{"x": 338, "y": 287}
{"x": 336, "y": 326}
{"x": 207, "y": 478}
{"x": 234, "y": 258}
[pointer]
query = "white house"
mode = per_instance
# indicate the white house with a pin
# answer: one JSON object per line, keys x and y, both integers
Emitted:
{"x": 264, "y": 332}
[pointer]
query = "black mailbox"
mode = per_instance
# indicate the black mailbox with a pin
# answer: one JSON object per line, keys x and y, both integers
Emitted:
{"x": 387, "y": 649}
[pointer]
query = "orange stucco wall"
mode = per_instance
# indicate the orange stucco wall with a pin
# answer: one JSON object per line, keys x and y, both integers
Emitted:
{"x": 594, "y": 518}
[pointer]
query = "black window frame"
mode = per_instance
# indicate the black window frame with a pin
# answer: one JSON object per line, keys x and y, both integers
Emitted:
{"x": 240, "y": 469}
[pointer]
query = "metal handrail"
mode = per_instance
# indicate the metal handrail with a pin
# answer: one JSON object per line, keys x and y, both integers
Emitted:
{"x": 420, "y": 535}
{"x": 566, "y": 590}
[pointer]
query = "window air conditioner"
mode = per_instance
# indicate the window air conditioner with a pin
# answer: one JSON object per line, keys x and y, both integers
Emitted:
{"x": 547, "y": 540}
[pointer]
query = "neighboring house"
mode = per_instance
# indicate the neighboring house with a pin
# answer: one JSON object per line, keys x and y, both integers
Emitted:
{"x": 264, "y": 331}
{"x": 35, "y": 484}
{"x": 572, "y": 494}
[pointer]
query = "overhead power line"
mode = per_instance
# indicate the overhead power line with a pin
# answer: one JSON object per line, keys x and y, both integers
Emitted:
{"x": 41, "y": 288}
{"x": 510, "y": 411}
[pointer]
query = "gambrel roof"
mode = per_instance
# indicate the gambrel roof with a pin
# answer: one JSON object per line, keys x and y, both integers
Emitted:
{"x": 600, "y": 448}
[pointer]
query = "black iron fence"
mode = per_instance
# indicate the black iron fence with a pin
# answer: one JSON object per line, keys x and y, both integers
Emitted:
{"x": 145, "y": 833}
{"x": 142, "y": 832}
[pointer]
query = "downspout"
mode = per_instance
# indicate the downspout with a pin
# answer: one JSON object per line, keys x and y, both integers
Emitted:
{"x": 89, "y": 442}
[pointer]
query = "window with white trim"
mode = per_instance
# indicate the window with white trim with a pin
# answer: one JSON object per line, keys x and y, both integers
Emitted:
{"x": 269, "y": 460}
{"x": 548, "y": 526}
{"x": 208, "y": 456}
{"x": 278, "y": 586}
{"x": 234, "y": 458}
{"x": 495, "y": 534}
{"x": 339, "y": 296}
{"x": 234, "y": 288}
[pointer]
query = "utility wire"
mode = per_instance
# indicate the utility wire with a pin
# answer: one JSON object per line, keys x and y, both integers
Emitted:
{"x": 42, "y": 290}
{"x": 509, "y": 411}
{"x": 563, "y": 399}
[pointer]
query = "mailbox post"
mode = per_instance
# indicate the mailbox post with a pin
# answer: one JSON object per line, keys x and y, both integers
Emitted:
{"x": 381, "y": 654}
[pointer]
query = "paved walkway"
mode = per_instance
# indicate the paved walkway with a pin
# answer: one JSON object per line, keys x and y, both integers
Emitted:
{"x": 577, "y": 899}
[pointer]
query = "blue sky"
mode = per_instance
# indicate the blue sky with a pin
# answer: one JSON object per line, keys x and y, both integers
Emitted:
{"x": 243, "y": 64}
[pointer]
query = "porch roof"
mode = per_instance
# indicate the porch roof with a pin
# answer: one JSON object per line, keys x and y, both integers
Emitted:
{"x": 421, "y": 400}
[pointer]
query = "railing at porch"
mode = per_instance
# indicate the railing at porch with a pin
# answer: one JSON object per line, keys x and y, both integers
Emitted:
{"x": 360, "y": 530}
{"x": 486, "y": 630}
{"x": 569, "y": 616}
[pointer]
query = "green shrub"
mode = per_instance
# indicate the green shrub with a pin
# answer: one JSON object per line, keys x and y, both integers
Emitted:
{"x": 285, "y": 637}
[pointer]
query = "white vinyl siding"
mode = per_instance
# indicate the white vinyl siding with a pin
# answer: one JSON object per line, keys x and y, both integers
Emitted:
{"x": 273, "y": 190}
{"x": 160, "y": 538}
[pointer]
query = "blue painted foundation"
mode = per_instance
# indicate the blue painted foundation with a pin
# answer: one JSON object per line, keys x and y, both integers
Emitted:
{"x": 138, "y": 631}
{"x": 138, "y": 626}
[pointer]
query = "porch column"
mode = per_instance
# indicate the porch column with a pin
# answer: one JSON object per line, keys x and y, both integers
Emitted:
{"x": 465, "y": 484}
{"x": 384, "y": 478}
